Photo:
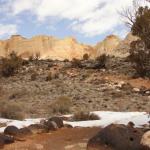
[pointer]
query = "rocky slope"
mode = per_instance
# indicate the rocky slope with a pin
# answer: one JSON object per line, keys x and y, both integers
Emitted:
{"x": 68, "y": 48}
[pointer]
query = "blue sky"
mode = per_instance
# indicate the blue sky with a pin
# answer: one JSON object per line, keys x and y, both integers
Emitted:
{"x": 89, "y": 21}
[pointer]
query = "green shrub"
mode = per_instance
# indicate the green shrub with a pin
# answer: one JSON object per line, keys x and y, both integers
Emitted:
{"x": 140, "y": 58}
{"x": 83, "y": 116}
{"x": 140, "y": 49}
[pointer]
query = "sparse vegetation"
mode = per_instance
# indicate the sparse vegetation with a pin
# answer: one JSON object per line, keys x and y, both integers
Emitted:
{"x": 85, "y": 56}
{"x": 66, "y": 60}
{"x": 138, "y": 20}
{"x": 31, "y": 58}
{"x": 49, "y": 77}
{"x": 52, "y": 75}
{"x": 101, "y": 61}
{"x": 37, "y": 56}
{"x": 83, "y": 116}
{"x": 10, "y": 65}
{"x": 76, "y": 63}
{"x": 140, "y": 57}
{"x": 61, "y": 106}
{"x": 34, "y": 76}
{"x": 140, "y": 49}
{"x": 11, "y": 110}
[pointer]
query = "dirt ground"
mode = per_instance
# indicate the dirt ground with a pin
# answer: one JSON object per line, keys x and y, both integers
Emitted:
{"x": 64, "y": 139}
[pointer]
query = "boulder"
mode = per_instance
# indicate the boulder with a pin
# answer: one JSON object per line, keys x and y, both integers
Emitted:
{"x": 58, "y": 121}
{"x": 4, "y": 139}
{"x": 51, "y": 125}
{"x": 38, "y": 128}
{"x": 145, "y": 141}
{"x": 11, "y": 130}
{"x": 68, "y": 126}
{"x": 25, "y": 131}
{"x": 116, "y": 137}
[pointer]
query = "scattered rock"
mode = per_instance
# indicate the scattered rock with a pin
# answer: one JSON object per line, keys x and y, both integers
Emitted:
{"x": 38, "y": 128}
{"x": 127, "y": 87}
{"x": 58, "y": 121}
{"x": 51, "y": 125}
{"x": 68, "y": 126}
{"x": 25, "y": 131}
{"x": 136, "y": 90}
{"x": 4, "y": 139}
{"x": 131, "y": 124}
{"x": 11, "y": 130}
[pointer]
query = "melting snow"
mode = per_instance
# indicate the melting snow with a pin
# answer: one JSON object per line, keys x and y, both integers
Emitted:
{"x": 107, "y": 118}
{"x": 138, "y": 118}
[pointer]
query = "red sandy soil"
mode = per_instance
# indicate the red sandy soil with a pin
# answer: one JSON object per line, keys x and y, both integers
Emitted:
{"x": 64, "y": 139}
{"x": 138, "y": 82}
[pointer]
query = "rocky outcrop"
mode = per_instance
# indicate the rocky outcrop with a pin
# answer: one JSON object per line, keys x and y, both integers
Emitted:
{"x": 116, "y": 137}
{"x": 49, "y": 47}
{"x": 46, "y": 47}
{"x": 108, "y": 45}
{"x": 124, "y": 46}
{"x": 114, "y": 46}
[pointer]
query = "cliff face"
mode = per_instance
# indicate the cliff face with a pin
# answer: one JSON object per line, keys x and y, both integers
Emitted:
{"x": 46, "y": 46}
{"x": 108, "y": 45}
{"x": 68, "y": 48}
{"x": 124, "y": 46}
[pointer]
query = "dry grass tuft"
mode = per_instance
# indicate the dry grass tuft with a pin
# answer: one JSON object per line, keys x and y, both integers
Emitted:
{"x": 11, "y": 110}
{"x": 61, "y": 105}
{"x": 83, "y": 116}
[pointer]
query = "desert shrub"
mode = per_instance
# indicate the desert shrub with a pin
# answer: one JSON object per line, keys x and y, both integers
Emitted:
{"x": 10, "y": 65}
{"x": 140, "y": 49}
{"x": 52, "y": 75}
{"x": 37, "y": 56}
{"x": 34, "y": 76}
{"x": 49, "y": 77}
{"x": 83, "y": 116}
{"x": 61, "y": 105}
{"x": 85, "y": 56}
{"x": 66, "y": 60}
{"x": 101, "y": 61}
{"x": 76, "y": 63}
{"x": 11, "y": 111}
{"x": 31, "y": 58}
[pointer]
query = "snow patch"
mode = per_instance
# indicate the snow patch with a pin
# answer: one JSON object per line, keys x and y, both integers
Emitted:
{"x": 107, "y": 118}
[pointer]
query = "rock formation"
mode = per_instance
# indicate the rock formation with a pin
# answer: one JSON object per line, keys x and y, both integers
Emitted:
{"x": 123, "y": 47}
{"x": 108, "y": 45}
{"x": 46, "y": 47}
{"x": 114, "y": 46}
{"x": 49, "y": 47}
{"x": 116, "y": 137}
